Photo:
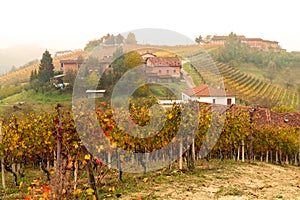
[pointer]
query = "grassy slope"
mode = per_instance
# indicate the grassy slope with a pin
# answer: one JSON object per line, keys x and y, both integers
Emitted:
{"x": 35, "y": 102}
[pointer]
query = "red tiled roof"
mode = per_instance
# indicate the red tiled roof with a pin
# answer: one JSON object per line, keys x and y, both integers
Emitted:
{"x": 71, "y": 62}
{"x": 221, "y": 37}
{"x": 263, "y": 116}
{"x": 254, "y": 39}
{"x": 165, "y": 61}
{"x": 205, "y": 91}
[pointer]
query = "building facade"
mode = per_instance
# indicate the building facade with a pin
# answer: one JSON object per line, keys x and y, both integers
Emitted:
{"x": 206, "y": 94}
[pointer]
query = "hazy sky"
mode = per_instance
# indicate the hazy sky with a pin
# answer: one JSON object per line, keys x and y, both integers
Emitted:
{"x": 58, "y": 24}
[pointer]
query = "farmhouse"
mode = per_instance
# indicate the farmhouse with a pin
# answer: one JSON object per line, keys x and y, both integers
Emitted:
{"x": 206, "y": 94}
{"x": 163, "y": 69}
{"x": 68, "y": 65}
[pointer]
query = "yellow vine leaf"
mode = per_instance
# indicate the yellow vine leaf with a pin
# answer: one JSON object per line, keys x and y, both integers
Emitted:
{"x": 89, "y": 191}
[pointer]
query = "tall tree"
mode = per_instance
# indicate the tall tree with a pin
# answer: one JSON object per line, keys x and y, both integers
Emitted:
{"x": 119, "y": 39}
{"x": 131, "y": 38}
{"x": 46, "y": 68}
{"x": 199, "y": 39}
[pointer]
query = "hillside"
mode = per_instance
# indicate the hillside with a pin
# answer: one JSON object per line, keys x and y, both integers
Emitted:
{"x": 246, "y": 82}
{"x": 250, "y": 88}
{"x": 21, "y": 76}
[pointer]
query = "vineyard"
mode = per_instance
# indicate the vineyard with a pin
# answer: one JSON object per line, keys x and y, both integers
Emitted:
{"x": 249, "y": 90}
{"x": 75, "y": 154}
{"x": 50, "y": 142}
{"x": 22, "y": 75}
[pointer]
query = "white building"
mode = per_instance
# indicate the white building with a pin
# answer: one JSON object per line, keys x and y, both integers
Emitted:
{"x": 206, "y": 94}
{"x": 95, "y": 93}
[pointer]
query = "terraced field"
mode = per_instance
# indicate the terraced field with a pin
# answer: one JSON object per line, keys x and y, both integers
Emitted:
{"x": 249, "y": 90}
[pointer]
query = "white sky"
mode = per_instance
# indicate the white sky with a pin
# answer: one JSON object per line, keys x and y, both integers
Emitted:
{"x": 62, "y": 25}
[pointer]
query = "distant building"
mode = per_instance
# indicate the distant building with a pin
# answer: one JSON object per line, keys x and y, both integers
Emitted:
{"x": 163, "y": 69}
{"x": 62, "y": 53}
{"x": 206, "y": 94}
{"x": 257, "y": 43}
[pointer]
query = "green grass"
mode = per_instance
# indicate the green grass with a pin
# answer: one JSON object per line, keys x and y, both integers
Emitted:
{"x": 35, "y": 101}
{"x": 193, "y": 73}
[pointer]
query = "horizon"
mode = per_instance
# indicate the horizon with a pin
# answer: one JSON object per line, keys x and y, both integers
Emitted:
{"x": 73, "y": 25}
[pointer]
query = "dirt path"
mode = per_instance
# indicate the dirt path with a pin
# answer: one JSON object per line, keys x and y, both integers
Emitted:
{"x": 188, "y": 79}
{"x": 243, "y": 181}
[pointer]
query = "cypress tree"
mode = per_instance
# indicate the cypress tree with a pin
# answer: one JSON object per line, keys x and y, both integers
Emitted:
{"x": 46, "y": 68}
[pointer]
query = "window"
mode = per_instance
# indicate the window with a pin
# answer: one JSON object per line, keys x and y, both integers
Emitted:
{"x": 167, "y": 71}
{"x": 214, "y": 101}
{"x": 229, "y": 101}
{"x": 159, "y": 71}
{"x": 174, "y": 71}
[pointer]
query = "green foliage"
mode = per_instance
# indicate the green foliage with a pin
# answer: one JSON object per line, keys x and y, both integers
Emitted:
{"x": 130, "y": 39}
{"x": 121, "y": 65}
{"x": 199, "y": 39}
{"x": 70, "y": 77}
{"x": 119, "y": 52}
{"x": 235, "y": 52}
{"x": 132, "y": 59}
{"x": 46, "y": 68}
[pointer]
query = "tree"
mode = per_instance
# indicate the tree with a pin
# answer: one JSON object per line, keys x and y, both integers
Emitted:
{"x": 131, "y": 38}
{"x": 110, "y": 40}
{"x": 132, "y": 59}
{"x": 70, "y": 77}
{"x": 119, "y": 52}
{"x": 46, "y": 68}
{"x": 199, "y": 39}
{"x": 207, "y": 39}
{"x": 13, "y": 69}
{"x": 119, "y": 39}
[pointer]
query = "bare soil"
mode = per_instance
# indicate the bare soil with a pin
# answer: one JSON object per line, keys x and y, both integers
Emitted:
{"x": 225, "y": 181}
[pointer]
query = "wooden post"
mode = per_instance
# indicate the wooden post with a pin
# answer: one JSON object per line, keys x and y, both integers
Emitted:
{"x": 299, "y": 150}
{"x": 58, "y": 154}
{"x": 75, "y": 173}
{"x": 243, "y": 150}
{"x": 238, "y": 153}
{"x": 2, "y": 161}
{"x": 193, "y": 150}
{"x": 109, "y": 159}
{"x": 180, "y": 154}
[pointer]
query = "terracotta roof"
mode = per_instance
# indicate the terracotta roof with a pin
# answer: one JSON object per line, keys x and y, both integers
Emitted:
{"x": 254, "y": 39}
{"x": 217, "y": 37}
{"x": 263, "y": 116}
{"x": 206, "y": 91}
{"x": 269, "y": 41}
{"x": 165, "y": 61}
{"x": 71, "y": 62}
